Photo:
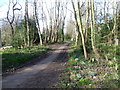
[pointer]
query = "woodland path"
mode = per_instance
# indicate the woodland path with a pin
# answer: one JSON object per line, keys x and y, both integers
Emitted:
{"x": 43, "y": 72}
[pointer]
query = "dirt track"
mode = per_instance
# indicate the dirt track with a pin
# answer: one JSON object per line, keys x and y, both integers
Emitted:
{"x": 43, "y": 73}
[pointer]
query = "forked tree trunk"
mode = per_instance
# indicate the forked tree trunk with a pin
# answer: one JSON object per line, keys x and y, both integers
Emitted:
{"x": 81, "y": 31}
{"x": 11, "y": 20}
{"x": 79, "y": 28}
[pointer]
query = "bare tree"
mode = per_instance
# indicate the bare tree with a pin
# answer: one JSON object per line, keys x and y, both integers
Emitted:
{"x": 92, "y": 20}
{"x": 81, "y": 30}
{"x": 79, "y": 27}
{"x": 64, "y": 12}
{"x": 87, "y": 20}
{"x": 27, "y": 23}
{"x": 37, "y": 22}
{"x": 11, "y": 19}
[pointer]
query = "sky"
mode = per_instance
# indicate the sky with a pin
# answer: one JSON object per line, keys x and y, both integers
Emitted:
{"x": 4, "y": 5}
{"x": 4, "y": 9}
{"x": 3, "y": 2}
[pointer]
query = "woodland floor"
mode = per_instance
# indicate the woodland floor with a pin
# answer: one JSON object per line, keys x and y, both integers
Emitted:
{"x": 62, "y": 66}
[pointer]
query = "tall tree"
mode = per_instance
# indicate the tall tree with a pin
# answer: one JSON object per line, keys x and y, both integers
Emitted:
{"x": 92, "y": 20}
{"x": 37, "y": 22}
{"x": 11, "y": 20}
{"x": 64, "y": 12}
{"x": 81, "y": 30}
{"x": 87, "y": 20}
{"x": 79, "y": 26}
{"x": 27, "y": 23}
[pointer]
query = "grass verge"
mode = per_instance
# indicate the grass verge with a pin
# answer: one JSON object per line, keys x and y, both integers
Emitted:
{"x": 14, "y": 57}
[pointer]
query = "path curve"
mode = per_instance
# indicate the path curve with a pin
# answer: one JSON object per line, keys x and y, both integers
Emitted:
{"x": 17, "y": 80}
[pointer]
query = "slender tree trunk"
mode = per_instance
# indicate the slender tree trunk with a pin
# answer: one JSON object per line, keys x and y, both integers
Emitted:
{"x": 37, "y": 22}
{"x": 115, "y": 27}
{"x": 81, "y": 31}
{"x": 92, "y": 18}
{"x": 11, "y": 20}
{"x": 63, "y": 31}
{"x": 51, "y": 32}
{"x": 76, "y": 22}
{"x": 76, "y": 38}
{"x": 57, "y": 12}
{"x": 87, "y": 21}
{"x": 79, "y": 28}
{"x": 63, "y": 22}
{"x": 27, "y": 23}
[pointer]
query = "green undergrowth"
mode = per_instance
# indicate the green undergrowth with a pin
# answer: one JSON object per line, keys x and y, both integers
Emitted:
{"x": 81, "y": 73}
{"x": 13, "y": 57}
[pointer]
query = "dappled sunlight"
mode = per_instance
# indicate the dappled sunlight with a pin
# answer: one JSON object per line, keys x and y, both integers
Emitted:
{"x": 34, "y": 69}
{"x": 75, "y": 41}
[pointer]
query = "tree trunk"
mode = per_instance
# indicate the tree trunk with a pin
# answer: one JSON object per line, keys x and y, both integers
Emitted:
{"x": 92, "y": 19}
{"x": 79, "y": 28}
{"x": 62, "y": 32}
{"x": 81, "y": 31}
{"x": 76, "y": 38}
{"x": 87, "y": 21}
{"x": 11, "y": 20}
{"x": 37, "y": 22}
{"x": 27, "y": 23}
